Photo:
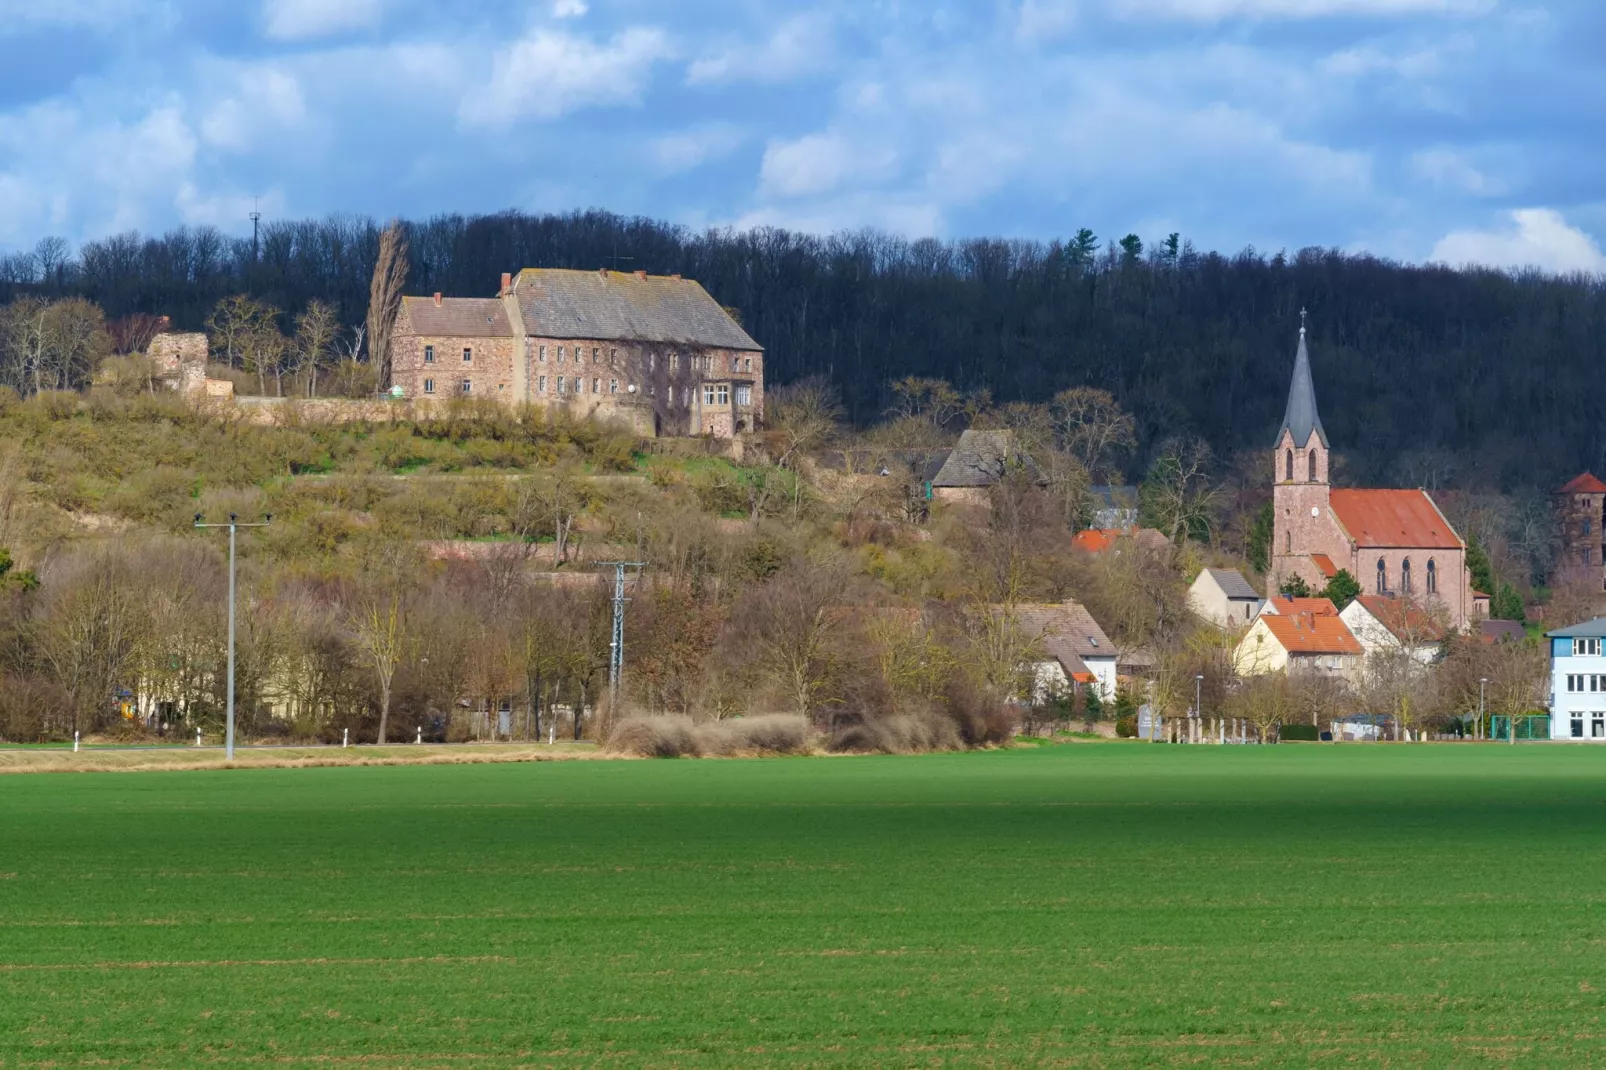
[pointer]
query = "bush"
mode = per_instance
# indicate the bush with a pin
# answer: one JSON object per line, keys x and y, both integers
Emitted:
{"x": 897, "y": 735}
{"x": 678, "y": 737}
{"x": 1127, "y": 727}
{"x": 1298, "y": 733}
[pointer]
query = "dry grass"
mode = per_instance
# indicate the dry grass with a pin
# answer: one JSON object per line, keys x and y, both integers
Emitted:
{"x": 54, "y": 760}
{"x": 679, "y": 737}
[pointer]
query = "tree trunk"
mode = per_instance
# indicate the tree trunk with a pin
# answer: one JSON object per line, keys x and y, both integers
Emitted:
{"x": 579, "y": 712}
{"x": 384, "y": 709}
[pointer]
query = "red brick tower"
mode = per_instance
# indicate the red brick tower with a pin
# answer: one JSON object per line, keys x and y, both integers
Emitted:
{"x": 1300, "y": 494}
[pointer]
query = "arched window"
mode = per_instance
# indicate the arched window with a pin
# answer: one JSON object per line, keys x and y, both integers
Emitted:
{"x": 1433, "y": 577}
{"x": 1289, "y": 466}
{"x": 1311, "y": 459}
{"x": 1382, "y": 577}
{"x": 1405, "y": 576}
{"x": 1288, "y": 542}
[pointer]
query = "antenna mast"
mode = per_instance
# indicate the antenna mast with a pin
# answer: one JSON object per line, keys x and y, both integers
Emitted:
{"x": 256, "y": 219}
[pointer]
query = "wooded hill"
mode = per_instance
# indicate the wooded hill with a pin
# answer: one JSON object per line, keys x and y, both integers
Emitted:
{"x": 1424, "y": 374}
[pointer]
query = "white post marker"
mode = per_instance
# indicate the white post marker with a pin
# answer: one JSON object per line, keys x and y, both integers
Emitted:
{"x": 75, "y": 742}
{"x": 197, "y": 737}
{"x": 345, "y": 738}
{"x": 551, "y": 733}
{"x": 420, "y": 738}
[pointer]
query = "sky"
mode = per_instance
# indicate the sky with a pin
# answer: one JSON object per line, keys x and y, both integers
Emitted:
{"x": 1462, "y": 131}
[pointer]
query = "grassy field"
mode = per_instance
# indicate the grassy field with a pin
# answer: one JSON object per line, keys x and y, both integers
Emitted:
{"x": 1067, "y": 906}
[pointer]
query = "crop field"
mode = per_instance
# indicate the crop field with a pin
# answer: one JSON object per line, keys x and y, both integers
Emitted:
{"x": 1080, "y": 905}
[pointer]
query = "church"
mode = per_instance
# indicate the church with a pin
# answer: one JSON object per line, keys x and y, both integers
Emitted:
{"x": 1394, "y": 542}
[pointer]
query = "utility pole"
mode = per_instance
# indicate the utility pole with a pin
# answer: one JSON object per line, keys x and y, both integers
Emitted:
{"x": 256, "y": 218}
{"x": 616, "y": 647}
{"x": 233, "y": 525}
{"x": 1479, "y": 734}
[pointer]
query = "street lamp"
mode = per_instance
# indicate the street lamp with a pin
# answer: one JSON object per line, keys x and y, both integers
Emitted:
{"x": 1482, "y": 680}
{"x": 233, "y": 525}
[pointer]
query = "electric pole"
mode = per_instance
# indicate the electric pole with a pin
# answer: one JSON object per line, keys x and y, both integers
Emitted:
{"x": 233, "y": 525}
{"x": 616, "y": 647}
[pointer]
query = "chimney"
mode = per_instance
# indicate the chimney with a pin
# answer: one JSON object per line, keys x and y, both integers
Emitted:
{"x": 507, "y": 281}
{"x": 642, "y": 275}
{"x": 674, "y": 276}
{"x": 437, "y": 299}
{"x": 604, "y": 273}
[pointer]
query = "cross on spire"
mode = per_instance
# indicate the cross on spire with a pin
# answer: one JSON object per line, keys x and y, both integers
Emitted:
{"x": 1302, "y": 321}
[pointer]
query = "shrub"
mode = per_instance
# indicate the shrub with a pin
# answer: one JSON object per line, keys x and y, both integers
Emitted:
{"x": 897, "y": 735}
{"x": 655, "y": 737}
{"x": 1127, "y": 727}
{"x": 1298, "y": 733}
{"x": 678, "y": 737}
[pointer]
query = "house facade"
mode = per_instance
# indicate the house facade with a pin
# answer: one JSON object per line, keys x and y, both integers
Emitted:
{"x": 1223, "y": 597}
{"x": 1581, "y": 531}
{"x": 1578, "y": 682}
{"x": 1394, "y": 542}
{"x": 1384, "y": 624}
{"x": 1317, "y": 644}
{"x": 656, "y": 352}
{"x": 1069, "y": 648}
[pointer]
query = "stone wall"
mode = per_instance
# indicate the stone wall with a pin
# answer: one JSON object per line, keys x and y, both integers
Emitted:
{"x": 489, "y": 369}
{"x": 180, "y": 359}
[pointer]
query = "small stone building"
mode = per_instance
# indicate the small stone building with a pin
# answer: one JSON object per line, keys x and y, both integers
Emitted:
{"x": 1223, "y": 597}
{"x": 979, "y": 462}
{"x": 179, "y": 359}
{"x": 654, "y": 351}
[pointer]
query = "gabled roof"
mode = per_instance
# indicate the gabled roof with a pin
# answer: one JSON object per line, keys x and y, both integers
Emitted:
{"x": 1300, "y": 418}
{"x": 1098, "y": 540}
{"x": 1312, "y": 633}
{"x": 1067, "y": 625}
{"x": 1590, "y": 629}
{"x": 1325, "y": 564}
{"x": 624, "y": 306}
{"x": 1406, "y": 620}
{"x": 981, "y": 458}
{"x": 1232, "y": 583}
{"x": 1281, "y": 604}
{"x": 1583, "y": 484}
{"x": 1500, "y": 631}
{"x": 1393, "y": 518}
{"x": 457, "y": 317}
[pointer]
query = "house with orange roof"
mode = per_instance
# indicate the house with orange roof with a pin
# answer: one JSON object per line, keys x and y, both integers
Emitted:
{"x": 1288, "y": 606}
{"x": 1389, "y": 623}
{"x": 1394, "y": 542}
{"x": 1102, "y": 540}
{"x": 1320, "y": 644}
{"x": 1581, "y": 531}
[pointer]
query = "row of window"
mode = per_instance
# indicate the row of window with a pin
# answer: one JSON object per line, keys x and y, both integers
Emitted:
{"x": 1581, "y": 682}
{"x": 1406, "y": 583}
{"x": 429, "y": 354}
{"x": 1586, "y": 648}
{"x": 579, "y": 355}
{"x": 1597, "y": 725}
{"x": 1289, "y": 466}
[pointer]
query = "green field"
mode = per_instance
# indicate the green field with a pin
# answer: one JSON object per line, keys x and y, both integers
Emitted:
{"x": 1083, "y": 905}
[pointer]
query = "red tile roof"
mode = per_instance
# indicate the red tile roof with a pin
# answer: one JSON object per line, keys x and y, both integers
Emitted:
{"x": 1584, "y": 484}
{"x": 1309, "y": 633}
{"x": 1325, "y": 563}
{"x": 1097, "y": 540}
{"x": 1403, "y": 518}
{"x": 1406, "y": 620}
{"x": 1285, "y": 606}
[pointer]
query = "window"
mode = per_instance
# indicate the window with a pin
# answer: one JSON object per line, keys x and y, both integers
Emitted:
{"x": 1586, "y": 648}
{"x": 596, "y": 354}
{"x": 1584, "y": 556}
{"x": 1433, "y": 577}
{"x": 1310, "y": 461}
{"x": 560, "y": 354}
{"x": 1597, "y": 725}
{"x": 1588, "y": 525}
{"x": 429, "y": 354}
{"x": 1288, "y": 542}
{"x": 652, "y": 390}
{"x": 596, "y": 386}
{"x": 671, "y": 395}
{"x": 652, "y": 362}
{"x": 429, "y": 386}
{"x": 468, "y": 354}
{"x": 736, "y": 364}
{"x": 1405, "y": 576}
{"x": 722, "y": 394}
{"x": 1382, "y": 576}
{"x": 576, "y": 384}
{"x": 1248, "y": 608}
{"x": 542, "y": 387}
{"x": 560, "y": 384}
{"x": 1288, "y": 466}
{"x": 613, "y": 356}
{"x": 541, "y": 355}
{"x": 708, "y": 394}
{"x": 468, "y": 386}
{"x": 674, "y": 362}
{"x": 744, "y": 395}
{"x": 1578, "y": 726}
{"x": 613, "y": 386}
{"x": 747, "y": 364}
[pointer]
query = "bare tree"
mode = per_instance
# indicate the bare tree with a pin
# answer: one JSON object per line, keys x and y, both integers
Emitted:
{"x": 1093, "y": 428}
{"x": 1180, "y": 494}
{"x": 562, "y": 493}
{"x": 385, "y": 297}
{"x": 804, "y": 416}
{"x": 89, "y": 631}
{"x": 316, "y": 331}
{"x": 376, "y": 614}
{"x": 51, "y": 345}
{"x": 232, "y": 326}
{"x": 792, "y": 628}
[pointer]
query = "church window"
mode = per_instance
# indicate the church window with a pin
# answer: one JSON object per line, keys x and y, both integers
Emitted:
{"x": 1433, "y": 577}
{"x": 1382, "y": 577}
{"x": 1310, "y": 459}
{"x": 1405, "y": 576}
{"x": 1288, "y": 466}
{"x": 1288, "y": 542}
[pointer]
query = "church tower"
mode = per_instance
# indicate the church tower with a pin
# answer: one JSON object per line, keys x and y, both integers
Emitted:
{"x": 1300, "y": 492}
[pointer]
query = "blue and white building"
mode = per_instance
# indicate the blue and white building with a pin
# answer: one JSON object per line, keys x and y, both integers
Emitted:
{"x": 1578, "y": 682}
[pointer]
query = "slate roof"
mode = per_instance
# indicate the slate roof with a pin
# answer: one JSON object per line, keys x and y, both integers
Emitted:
{"x": 1312, "y": 633}
{"x": 1588, "y": 630}
{"x": 1500, "y": 631}
{"x": 1232, "y": 583}
{"x": 457, "y": 317}
{"x": 980, "y": 458}
{"x": 1065, "y": 628}
{"x": 624, "y": 306}
{"x": 1393, "y": 518}
{"x": 1300, "y": 417}
{"x": 1584, "y": 484}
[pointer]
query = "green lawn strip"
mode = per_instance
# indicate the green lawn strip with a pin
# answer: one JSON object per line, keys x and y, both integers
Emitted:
{"x": 1121, "y": 905}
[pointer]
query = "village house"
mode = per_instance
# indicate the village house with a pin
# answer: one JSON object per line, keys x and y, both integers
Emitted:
{"x": 1385, "y": 624}
{"x": 1289, "y": 605}
{"x": 1068, "y": 648}
{"x": 1105, "y": 540}
{"x": 654, "y": 351}
{"x": 1581, "y": 531}
{"x": 1318, "y": 644}
{"x": 1392, "y": 541}
{"x": 977, "y": 463}
{"x": 1578, "y": 682}
{"x": 1223, "y": 597}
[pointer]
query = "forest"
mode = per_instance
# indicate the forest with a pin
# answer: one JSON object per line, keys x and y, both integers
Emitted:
{"x": 1474, "y": 380}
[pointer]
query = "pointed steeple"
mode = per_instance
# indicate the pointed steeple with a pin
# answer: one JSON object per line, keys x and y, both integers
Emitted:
{"x": 1301, "y": 418}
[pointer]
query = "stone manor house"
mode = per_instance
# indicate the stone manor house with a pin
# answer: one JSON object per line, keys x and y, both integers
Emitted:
{"x": 654, "y": 351}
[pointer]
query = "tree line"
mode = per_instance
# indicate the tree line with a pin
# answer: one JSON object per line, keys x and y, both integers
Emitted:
{"x": 1475, "y": 378}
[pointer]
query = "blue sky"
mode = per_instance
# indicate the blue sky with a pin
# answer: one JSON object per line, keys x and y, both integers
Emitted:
{"x": 1457, "y": 130}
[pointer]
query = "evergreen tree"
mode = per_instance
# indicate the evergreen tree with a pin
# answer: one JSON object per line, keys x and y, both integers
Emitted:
{"x": 1260, "y": 538}
{"x": 1294, "y": 587}
{"x": 1342, "y": 589}
{"x": 1507, "y": 604}
{"x": 1478, "y": 565}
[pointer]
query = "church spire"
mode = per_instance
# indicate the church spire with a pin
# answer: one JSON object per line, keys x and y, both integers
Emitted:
{"x": 1300, "y": 418}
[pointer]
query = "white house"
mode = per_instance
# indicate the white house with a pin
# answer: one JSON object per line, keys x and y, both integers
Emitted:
{"x": 1223, "y": 597}
{"x": 1386, "y": 623}
{"x": 1319, "y": 644}
{"x": 1578, "y": 682}
{"x": 1070, "y": 647}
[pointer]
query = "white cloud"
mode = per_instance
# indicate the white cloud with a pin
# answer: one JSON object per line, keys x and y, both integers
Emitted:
{"x": 691, "y": 149}
{"x": 1221, "y": 10}
{"x": 569, "y": 9}
{"x": 296, "y": 20}
{"x": 547, "y": 74}
{"x": 1043, "y": 20}
{"x": 19, "y": 15}
{"x": 798, "y": 47}
{"x": 264, "y": 100}
{"x": 809, "y": 165}
{"x": 1445, "y": 168}
{"x": 1535, "y": 237}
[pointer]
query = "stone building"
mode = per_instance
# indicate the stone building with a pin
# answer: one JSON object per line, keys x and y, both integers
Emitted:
{"x": 1581, "y": 531}
{"x": 179, "y": 360}
{"x": 656, "y": 352}
{"x": 1394, "y": 542}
